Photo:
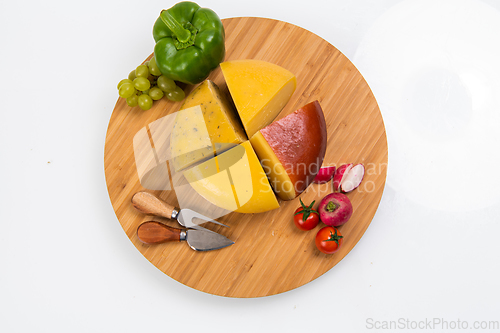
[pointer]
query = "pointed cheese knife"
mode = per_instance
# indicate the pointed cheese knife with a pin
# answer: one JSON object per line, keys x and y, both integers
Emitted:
{"x": 147, "y": 203}
{"x": 153, "y": 232}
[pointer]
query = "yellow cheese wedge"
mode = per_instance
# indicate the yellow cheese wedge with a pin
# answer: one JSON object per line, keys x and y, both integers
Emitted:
{"x": 259, "y": 90}
{"x": 234, "y": 180}
{"x": 218, "y": 118}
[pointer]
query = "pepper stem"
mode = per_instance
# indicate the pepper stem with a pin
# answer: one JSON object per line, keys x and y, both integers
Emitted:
{"x": 183, "y": 35}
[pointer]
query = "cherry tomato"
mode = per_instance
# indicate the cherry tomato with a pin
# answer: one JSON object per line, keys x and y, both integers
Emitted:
{"x": 306, "y": 218}
{"x": 329, "y": 240}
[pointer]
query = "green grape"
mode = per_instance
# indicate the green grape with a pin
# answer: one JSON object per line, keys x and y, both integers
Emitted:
{"x": 166, "y": 84}
{"x": 133, "y": 100}
{"x": 146, "y": 92}
{"x": 153, "y": 67}
{"x": 142, "y": 71}
{"x": 147, "y": 64}
{"x": 132, "y": 76}
{"x": 155, "y": 93}
{"x": 122, "y": 82}
{"x": 177, "y": 95}
{"x": 141, "y": 83}
{"x": 126, "y": 90}
{"x": 145, "y": 102}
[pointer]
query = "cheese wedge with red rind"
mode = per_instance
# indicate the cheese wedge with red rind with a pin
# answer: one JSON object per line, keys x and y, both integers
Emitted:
{"x": 292, "y": 149}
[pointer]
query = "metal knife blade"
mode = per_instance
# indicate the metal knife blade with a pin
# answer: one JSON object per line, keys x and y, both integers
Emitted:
{"x": 206, "y": 240}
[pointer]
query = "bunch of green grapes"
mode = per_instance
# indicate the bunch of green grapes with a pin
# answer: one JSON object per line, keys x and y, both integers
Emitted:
{"x": 146, "y": 84}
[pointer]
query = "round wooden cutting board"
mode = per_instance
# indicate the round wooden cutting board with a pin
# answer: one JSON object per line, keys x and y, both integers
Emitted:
{"x": 270, "y": 254}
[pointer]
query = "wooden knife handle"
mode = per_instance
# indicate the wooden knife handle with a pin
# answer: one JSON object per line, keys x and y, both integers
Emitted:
{"x": 147, "y": 203}
{"x": 153, "y": 232}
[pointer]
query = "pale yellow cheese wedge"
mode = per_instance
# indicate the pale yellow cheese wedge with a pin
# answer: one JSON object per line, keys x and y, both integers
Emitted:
{"x": 259, "y": 90}
{"x": 234, "y": 180}
{"x": 190, "y": 140}
{"x": 218, "y": 118}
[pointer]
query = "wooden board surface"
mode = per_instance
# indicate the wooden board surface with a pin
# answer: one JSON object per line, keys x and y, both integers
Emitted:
{"x": 270, "y": 254}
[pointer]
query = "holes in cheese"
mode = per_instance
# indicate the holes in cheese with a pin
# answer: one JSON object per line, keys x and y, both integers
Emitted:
{"x": 292, "y": 149}
{"x": 259, "y": 90}
{"x": 234, "y": 180}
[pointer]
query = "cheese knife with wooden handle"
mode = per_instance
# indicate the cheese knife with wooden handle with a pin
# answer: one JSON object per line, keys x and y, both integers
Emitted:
{"x": 153, "y": 232}
{"x": 148, "y": 203}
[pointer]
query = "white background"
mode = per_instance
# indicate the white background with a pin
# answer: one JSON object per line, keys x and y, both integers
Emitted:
{"x": 431, "y": 252}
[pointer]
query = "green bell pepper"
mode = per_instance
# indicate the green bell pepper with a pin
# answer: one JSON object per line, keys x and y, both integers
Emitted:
{"x": 190, "y": 42}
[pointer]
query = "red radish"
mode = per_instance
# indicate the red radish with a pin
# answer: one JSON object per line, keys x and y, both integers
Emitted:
{"x": 325, "y": 174}
{"x": 340, "y": 175}
{"x": 335, "y": 209}
{"x": 353, "y": 178}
